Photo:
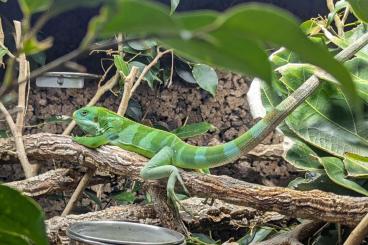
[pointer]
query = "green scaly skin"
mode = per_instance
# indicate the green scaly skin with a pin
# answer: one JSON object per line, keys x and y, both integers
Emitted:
{"x": 167, "y": 151}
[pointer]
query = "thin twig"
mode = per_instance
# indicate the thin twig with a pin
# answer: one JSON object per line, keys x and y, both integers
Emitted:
{"x": 338, "y": 23}
{"x": 128, "y": 85}
{"x": 147, "y": 68}
{"x": 171, "y": 69}
{"x": 78, "y": 191}
{"x": 346, "y": 15}
{"x": 359, "y": 232}
{"x": 21, "y": 153}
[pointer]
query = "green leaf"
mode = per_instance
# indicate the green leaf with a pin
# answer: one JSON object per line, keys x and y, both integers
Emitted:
{"x": 10, "y": 238}
{"x": 316, "y": 121}
{"x": 3, "y": 52}
{"x": 338, "y": 6}
{"x": 359, "y": 70}
{"x": 93, "y": 196}
{"x": 137, "y": 17}
{"x": 279, "y": 27}
{"x": 334, "y": 168}
{"x": 350, "y": 37}
{"x": 356, "y": 165}
{"x": 125, "y": 197}
{"x": 121, "y": 65}
{"x": 194, "y": 129}
{"x": 174, "y": 5}
{"x": 142, "y": 44}
{"x": 183, "y": 70}
{"x": 360, "y": 9}
{"x": 33, "y": 46}
{"x": 22, "y": 216}
{"x": 29, "y": 7}
{"x": 301, "y": 156}
{"x": 319, "y": 180}
{"x": 255, "y": 236}
{"x": 195, "y": 20}
{"x": 206, "y": 77}
{"x": 242, "y": 55}
{"x": 200, "y": 239}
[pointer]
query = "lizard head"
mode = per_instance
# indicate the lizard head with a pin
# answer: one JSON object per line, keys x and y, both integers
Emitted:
{"x": 88, "y": 118}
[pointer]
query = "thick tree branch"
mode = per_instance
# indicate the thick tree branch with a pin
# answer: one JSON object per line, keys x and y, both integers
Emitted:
{"x": 52, "y": 181}
{"x": 314, "y": 204}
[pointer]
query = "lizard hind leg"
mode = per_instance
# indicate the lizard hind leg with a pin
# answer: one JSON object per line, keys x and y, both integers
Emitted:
{"x": 160, "y": 167}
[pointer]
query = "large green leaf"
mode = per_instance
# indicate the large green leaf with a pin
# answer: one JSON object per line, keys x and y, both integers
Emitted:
{"x": 334, "y": 168}
{"x": 21, "y": 216}
{"x": 360, "y": 9}
{"x": 9, "y": 238}
{"x": 279, "y": 27}
{"x": 139, "y": 17}
{"x": 350, "y": 37}
{"x": 325, "y": 120}
{"x": 356, "y": 165}
{"x": 206, "y": 77}
{"x": 301, "y": 156}
{"x": 195, "y": 20}
{"x": 244, "y": 56}
{"x": 319, "y": 180}
{"x": 359, "y": 70}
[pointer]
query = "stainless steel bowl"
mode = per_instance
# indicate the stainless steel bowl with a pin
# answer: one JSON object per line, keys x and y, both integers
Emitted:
{"x": 127, "y": 233}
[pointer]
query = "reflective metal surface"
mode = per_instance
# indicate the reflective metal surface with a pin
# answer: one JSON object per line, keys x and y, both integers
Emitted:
{"x": 118, "y": 232}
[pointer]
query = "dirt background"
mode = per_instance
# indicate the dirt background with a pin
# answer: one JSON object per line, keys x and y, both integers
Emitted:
{"x": 170, "y": 107}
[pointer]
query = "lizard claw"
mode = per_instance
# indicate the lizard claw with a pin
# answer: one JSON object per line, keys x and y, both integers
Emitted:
{"x": 171, "y": 195}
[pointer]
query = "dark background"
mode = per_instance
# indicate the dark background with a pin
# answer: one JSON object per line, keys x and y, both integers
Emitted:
{"x": 69, "y": 28}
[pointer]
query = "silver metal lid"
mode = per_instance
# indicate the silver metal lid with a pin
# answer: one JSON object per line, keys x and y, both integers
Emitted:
{"x": 127, "y": 233}
{"x": 71, "y": 75}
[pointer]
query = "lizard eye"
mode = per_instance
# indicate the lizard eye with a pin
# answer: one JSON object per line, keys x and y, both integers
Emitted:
{"x": 84, "y": 113}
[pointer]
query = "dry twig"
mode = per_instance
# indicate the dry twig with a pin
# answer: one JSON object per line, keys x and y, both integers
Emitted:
{"x": 359, "y": 232}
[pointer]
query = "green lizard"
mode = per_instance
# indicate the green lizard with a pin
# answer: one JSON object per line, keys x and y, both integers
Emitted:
{"x": 166, "y": 151}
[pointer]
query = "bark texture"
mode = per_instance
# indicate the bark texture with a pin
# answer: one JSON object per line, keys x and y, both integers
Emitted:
{"x": 317, "y": 205}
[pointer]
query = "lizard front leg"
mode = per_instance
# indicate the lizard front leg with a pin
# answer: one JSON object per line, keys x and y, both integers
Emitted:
{"x": 160, "y": 167}
{"x": 92, "y": 141}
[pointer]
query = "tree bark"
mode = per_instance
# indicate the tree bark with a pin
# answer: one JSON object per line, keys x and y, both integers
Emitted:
{"x": 52, "y": 181}
{"x": 317, "y": 205}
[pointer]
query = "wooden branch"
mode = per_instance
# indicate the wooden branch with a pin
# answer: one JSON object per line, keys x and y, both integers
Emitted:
{"x": 78, "y": 191}
{"x": 19, "y": 145}
{"x": 57, "y": 226}
{"x": 128, "y": 85}
{"x": 359, "y": 232}
{"x": 314, "y": 204}
{"x": 147, "y": 68}
{"x": 52, "y": 181}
